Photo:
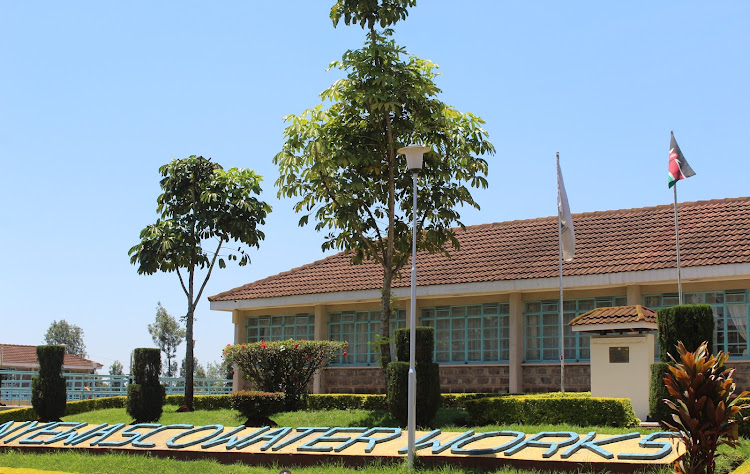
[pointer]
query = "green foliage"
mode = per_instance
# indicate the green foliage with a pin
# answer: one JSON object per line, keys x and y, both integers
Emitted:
{"x": 146, "y": 396}
{"x": 582, "y": 410}
{"x": 284, "y": 366}
{"x": 48, "y": 389}
{"x": 428, "y": 391}
{"x": 50, "y": 360}
{"x": 146, "y": 365}
{"x": 255, "y": 405}
{"x": 425, "y": 344}
{"x": 167, "y": 334}
{"x": 691, "y": 324}
{"x": 339, "y": 401}
{"x": 341, "y": 161}
{"x": 201, "y": 204}
{"x": 369, "y": 13}
{"x": 203, "y": 402}
{"x": 60, "y": 332}
{"x": 705, "y": 407}
{"x": 116, "y": 368}
{"x": 458, "y": 400}
{"x": 657, "y": 409}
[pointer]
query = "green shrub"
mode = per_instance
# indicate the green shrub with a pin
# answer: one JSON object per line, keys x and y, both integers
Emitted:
{"x": 425, "y": 344}
{"x": 691, "y": 324}
{"x": 146, "y": 396}
{"x": 203, "y": 402}
{"x": 284, "y": 366}
{"x": 428, "y": 377}
{"x": 657, "y": 409}
{"x": 428, "y": 391}
{"x": 257, "y": 405}
{"x": 744, "y": 428}
{"x": 82, "y": 406}
{"x": 705, "y": 407}
{"x": 18, "y": 414}
{"x": 48, "y": 389}
{"x": 551, "y": 409}
{"x": 458, "y": 400}
{"x": 337, "y": 401}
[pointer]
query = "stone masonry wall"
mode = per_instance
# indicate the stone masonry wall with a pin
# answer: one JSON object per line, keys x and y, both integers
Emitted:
{"x": 546, "y": 378}
{"x": 453, "y": 379}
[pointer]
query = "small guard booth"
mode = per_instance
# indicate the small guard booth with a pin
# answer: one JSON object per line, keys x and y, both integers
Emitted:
{"x": 622, "y": 351}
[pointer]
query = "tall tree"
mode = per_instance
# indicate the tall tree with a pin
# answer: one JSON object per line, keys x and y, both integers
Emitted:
{"x": 202, "y": 207}
{"x": 167, "y": 334}
{"x": 198, "y": 370}
{"x": 61, "y": 332}
{"x": 341, "y": 161}
{"x": 116, "y": 368}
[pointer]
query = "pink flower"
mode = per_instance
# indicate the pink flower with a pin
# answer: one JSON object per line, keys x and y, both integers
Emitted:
{"x": 296, "y": 345}
{"x": 263, "y": 344}
{"x": 344, "y": 353}
{"x": 307, "y": 358}
{"x": 243, "y": 346}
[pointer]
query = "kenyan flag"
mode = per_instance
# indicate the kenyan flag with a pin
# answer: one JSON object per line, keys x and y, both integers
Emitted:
{"x": 678, "y": 165}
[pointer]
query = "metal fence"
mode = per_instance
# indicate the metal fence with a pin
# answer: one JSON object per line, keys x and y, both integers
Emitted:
{"x": 15, "y": 389}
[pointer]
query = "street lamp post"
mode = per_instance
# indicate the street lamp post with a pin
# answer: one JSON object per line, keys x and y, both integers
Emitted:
{"x": 414, "y": 155}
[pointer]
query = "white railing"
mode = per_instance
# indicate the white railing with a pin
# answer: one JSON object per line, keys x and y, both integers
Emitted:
{"x": 15, "y": 389}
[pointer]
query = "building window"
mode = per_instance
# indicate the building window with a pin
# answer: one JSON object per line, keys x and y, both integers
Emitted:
{"x": 360, "y": 329}
{"x": 731, "y": 313}
{"x": 542, "y": 328}
{"x": 471, "y": 333}
{"x": 280, "y": 328}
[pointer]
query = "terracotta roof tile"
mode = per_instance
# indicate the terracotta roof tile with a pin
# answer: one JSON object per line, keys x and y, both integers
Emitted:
{"x": 711, "y": 232}
{"x": 616, "y": 315}
{"x": 15, "y": 354}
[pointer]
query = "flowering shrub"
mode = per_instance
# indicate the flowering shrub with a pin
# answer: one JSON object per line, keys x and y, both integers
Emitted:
{"x": 284, "y": 366}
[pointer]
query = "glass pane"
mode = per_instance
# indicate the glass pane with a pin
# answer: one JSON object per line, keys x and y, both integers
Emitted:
{"x": 532, "y": 307}
{"x": 458, "y": 311}
{"x": 652, "y": 302}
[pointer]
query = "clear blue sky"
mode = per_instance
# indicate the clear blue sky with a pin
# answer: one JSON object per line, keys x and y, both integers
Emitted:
{"x": 95, "y": 96}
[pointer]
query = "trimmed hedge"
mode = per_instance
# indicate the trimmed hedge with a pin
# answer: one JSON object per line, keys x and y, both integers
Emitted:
{"x": 203, "y": 402}
{"x": 425, "y": 343}
{"x": 657, "y": 409}
{"x": 49, "y": 389}
{"x": 428, "y": 391}
{"x": 690, "y": 323}
{"x": 551, "y": 409}
{"x": 254, "y": 405}
{"x": 146, "y": 396}
{"x": 335, "y": 401}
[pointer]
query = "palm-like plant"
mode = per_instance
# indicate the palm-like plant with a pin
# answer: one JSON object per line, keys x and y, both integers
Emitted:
{"x": 705, "y": 407}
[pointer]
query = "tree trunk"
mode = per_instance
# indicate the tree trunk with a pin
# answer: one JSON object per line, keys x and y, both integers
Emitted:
{"x": 189, "y": 360}
{"x": 385, "y": 320}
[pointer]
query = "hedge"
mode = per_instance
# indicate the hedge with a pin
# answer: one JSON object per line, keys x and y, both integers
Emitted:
{"x": 337, "y": 401}
{"x": 582, "y": 410}
{"x": 690, "y": 323}
{"x": 657, "y": 409}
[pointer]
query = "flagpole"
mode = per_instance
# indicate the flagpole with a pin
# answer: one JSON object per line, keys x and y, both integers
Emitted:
{"x": 677, "y": 235}
{"x": 560, "y": 265}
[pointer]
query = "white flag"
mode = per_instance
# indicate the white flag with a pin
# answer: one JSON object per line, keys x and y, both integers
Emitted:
{"x": 567, "y": 235}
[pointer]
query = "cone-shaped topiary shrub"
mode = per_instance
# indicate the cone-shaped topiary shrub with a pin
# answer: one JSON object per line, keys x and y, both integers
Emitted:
{"x": 428, "y": 378}
{"x": 48, "y": 391}
{"x": 146, "y": 396}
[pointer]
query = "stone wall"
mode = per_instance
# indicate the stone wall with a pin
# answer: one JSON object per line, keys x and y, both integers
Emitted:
{"x": 741, "y": 373}
{"x": 453, "y": 379}
{"x": 353, "y": 380}
{"x": 546, "y": 378}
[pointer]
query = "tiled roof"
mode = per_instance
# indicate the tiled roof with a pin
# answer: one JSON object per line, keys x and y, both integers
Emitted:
{"x": 15, "y": 354}
{"x": 616, "y": 315}
{"x": 711, "y": 233}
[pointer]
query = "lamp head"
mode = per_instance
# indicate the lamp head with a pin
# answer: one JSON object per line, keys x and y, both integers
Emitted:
{"x": 414, "y": 155}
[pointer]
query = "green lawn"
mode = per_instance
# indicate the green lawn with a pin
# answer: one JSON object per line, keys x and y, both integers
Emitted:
{"x": 447, "y": 420}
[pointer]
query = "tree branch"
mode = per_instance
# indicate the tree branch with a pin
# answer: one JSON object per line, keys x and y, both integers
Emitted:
{"x": 210, "y": 269}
